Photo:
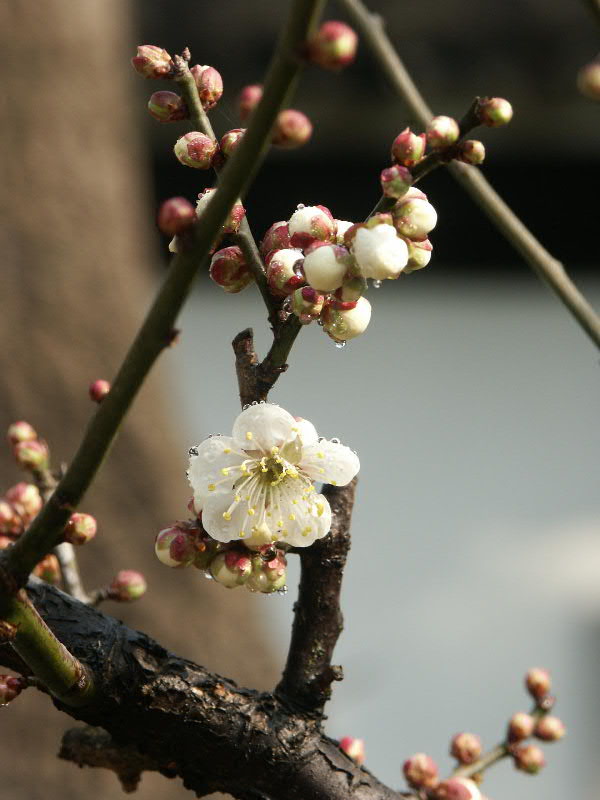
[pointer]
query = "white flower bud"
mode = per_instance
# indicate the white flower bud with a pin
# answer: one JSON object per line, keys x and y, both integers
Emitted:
{"x": 346, "y": 324}
{"x": 326, "y": 266}
{"x": 379, "y": 252}
{"x": 231, "y": 568}
{"x": 414, "y": 217}
{"x": 311, "y": 223}
{"x": 342, "y": 226}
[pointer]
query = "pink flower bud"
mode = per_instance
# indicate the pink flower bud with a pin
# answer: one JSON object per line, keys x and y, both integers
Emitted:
{"x": 195, "y": 150}
{"x": 341, "y": 325}
{"x": 326, "y": 266}
{"x": 175, "y": 215}
{"x": 230, "y": 270}
{"x": 268, "y": 575}
{"x": 414, "y": 218}
{"x": 520, "y": 726}
{"x": 5, "y": 541}
{"x": 21, "y": 432}
{"x": 32, "y": 455}
{"x": 588, "y": 80}
{"x": 249, "y": 98}
{"x": 98, "y": 390}
{"x": 230, "y": 141}
{"x": 550, "y": 729}
{"x": 442, "y": 132}
{"x": 210, "y": 85}
{"x": 276, "y": 238}
{"x": 419, "y": 254}
{"x": 236, "y": 215}
{"x": 152, "y": 61}
{"x": 127, "y": 585}
{"x": 471, "y": 151}
{"x": 80, "y": 529}
{"x": 457, "y": 789}
{"x": 538, "y": 683}
{"x": 307, "y": 304}
{"x": 333, "y": 46}
{"x": 292, "y": 129}
{"x": 167, "y": 107}
{"x": 25, "y": 499}
{"x": 465, "y": 747}
{"x": 176, "y": 546}
{"x": 395, "y": 181}
{"x": 48, "y": 569}
{"x": 10, "y": 521}
{"x": 408, "y": 148}
{"x": 231, "y": 568}
{"x": 354, "y": 749}
{"x": 494, "y": 111}
{"x": 311, "y": 223}
{"x": 10, "y": 687}
{"x": 529, "y": 758}
{"x": 284, "y": 271}
{"x": 421, "y": 771}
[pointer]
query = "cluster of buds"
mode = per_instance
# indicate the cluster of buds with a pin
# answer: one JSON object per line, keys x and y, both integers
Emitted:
{"x": 30, "y": 452}
{"x": 10, "y": 687}
{"x": 184, "y": 544}
{"x": 177, "y": 214}
{"x": 292, "y": 128}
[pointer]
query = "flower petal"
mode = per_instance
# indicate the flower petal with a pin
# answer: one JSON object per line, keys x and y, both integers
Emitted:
{"x": 298, "y": 519}
{"x": 262, "y": 427}
{"x": 212, "y": 468}
{"x": 224, "y": 528}
{"x": 330, "y": 462}
{"x": 306, "y": 432}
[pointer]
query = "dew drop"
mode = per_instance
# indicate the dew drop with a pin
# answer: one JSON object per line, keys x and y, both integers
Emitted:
{"x": 254, "y": 403}
{"x": 193, "y": 451}
{"x": 245, "y": 406}
{"x": 335, "y": 440}
{"x": 320, "y": 322}
{"x": 300, "y": 206}
{"x": 283, "y": 591}
{"x": 340, "y": 345}
{"x": 376, "y": 284}
{"x": 208, "y": 576}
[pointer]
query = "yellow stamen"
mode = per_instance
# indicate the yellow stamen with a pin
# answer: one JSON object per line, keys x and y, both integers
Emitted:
{"x": 249, "y": 435}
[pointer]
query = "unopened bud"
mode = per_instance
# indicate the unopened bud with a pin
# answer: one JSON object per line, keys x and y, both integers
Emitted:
{"x": 379, "y": 252}
{"x": 276, "y": 238}
{"x": 408, "y": 148}
{"x": 167, "y": 107}
{"x": 342, "y": 325}
{"x": 442, "y": 132}
{"x": 395, "y": 181}
{"x": 10, "y": 521}
{"x": 326, "y": 265}
{"x": 421, "y": 771}
{"x": 10, "y": 687}
{"x": 230, "y": 141}
{"x": 21, "y": 432}
{"x": 236, "y": 215}
{"x": 175, "y": 215}
{"x": 32, "y": 455}
{"x": 5, "y": 541}
{"x": 354, "y": 749}
{"x": 231, "y": 568}
{"x": 269, "y": 575}
{"x": 249, "y": 98}
{"x": 465, "y": 747}
{"x": 419, "y": 254}
{"x": 414, "y": 218}
{"x": 292, "y": 129}
{"x": 538, "y": 683}
{"x": 494, "y": 111}
{"x": 284, "y": 271}
{"x": 307, "y": 304}
{"x": 349, "y": 293}
{"x": 457, "y": 789}
{"x": 588, "y": 80}
{"x": 520, "y": 726}
{"x": 152, "y": 61}
{"x": 229, "y": 269}
{"x": 195, "y": 150}
{"x": 175, "y": 546}
{"x": 209, "y": 84}
{"x": 206, "y": 550}
{"x": 471, "y": 151}
{"x": 550, "y": 729}
{"x": 341, "y": 225}
{"x": 48, "y": 569}
{"x": 127, "y": 586}
{"x": 80, "y": 529}
{"x": 98, "y": 390}
{"x": 25, "y": 499}
{"x": 311, "y": 223}
{"x": 333, "y": 46}
{"x": 529, "y": 758}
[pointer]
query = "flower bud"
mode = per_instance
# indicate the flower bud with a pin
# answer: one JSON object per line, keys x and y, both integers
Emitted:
{"x": 538, "y": 683}
{"x": 152, "y": 61}
{"x": 379, "y": 252}
{"x": 494, "y": 111}
{"x": 230, "y": 141}
{"x": 311, "y": 223}
{"x": 342, "y": 325}
{"x": 354, "y": 749}
{"x": 520, "y": 726}
{"x": 231, "y": 568}
{"x": 5, "y": 541}
{"x": 442, "y": 132}
{"x": 167, "y": 107}
{"x": 284, "y": 271}
{"x": 276, "y": 238}
{"x": 267, "y": 576}
{"x": 457, "y": 789}
{"x": 236, "y": 215}
{"x": 195, "y": 149}
{"x": 341, "y": 226}
{"x": 465, "y": 747}
{"x": 414, "y": 218}
{"x": 326, "y": 265}
{"x": 175, "y": 215}
{"x": 395, "y": 181}
{"x": 229, "y": 269}
{"x": 471, "y": 151}
{"x": 80, "y": 529}
{"x": 419, "y": 254}
{"x": 349, "y": 293}
{"x": 127, "y": 585}
{"x": 175, "y": 546}
{"x": 292, "y": 129}
{"x": 529, "y": 758}
{"x": 421, "y": 771}
{"x": 10, "y": 521}
{"x": 98, "y": 390}
{"x": 588, "y": 80}
{"x": 408, "y": 148}
{"x": 307, "y": 304}
{"x": 333, "y": 46}
{"x": 249, "y": 98}
{"x": 48, "y": 569}
{"x": 25, "y": 499}
{"x": 32, "y": 455}
{"x": 209, "y": 84}
{"x": 206, "y": 550}
{"x": 21, "y": 432}
{"x": 10, "y": 687}
{"x": 550, "y": 729}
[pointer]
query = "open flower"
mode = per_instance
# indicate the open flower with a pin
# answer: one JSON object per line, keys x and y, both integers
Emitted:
{"x": 257, "y": 484}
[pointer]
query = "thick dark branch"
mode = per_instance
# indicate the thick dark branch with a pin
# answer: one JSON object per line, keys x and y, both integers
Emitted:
{"x": 318, "y": 621}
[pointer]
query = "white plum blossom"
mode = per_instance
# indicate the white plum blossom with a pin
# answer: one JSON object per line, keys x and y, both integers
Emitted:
{"x": 257, "y": 484}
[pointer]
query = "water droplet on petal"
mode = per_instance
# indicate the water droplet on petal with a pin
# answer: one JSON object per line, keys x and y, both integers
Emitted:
{"x": 208, "y": 576}
{"x": 320, "y": 322}
{"x": 282, "y": 591}
{"x": 299, "y": 206}
{"x": 340, "y": 345}
{"x": 376, "y": 284}
{"x": 335, "y": 440}
{"x": 254, "y": 403}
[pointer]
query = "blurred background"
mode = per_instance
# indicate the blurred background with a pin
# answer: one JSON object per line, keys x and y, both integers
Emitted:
{"x": 472, "y": 399}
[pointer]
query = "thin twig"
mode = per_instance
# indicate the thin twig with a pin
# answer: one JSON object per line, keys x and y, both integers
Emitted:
{"x": 539, "y": 259}
{"x": 69, "y": 569}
